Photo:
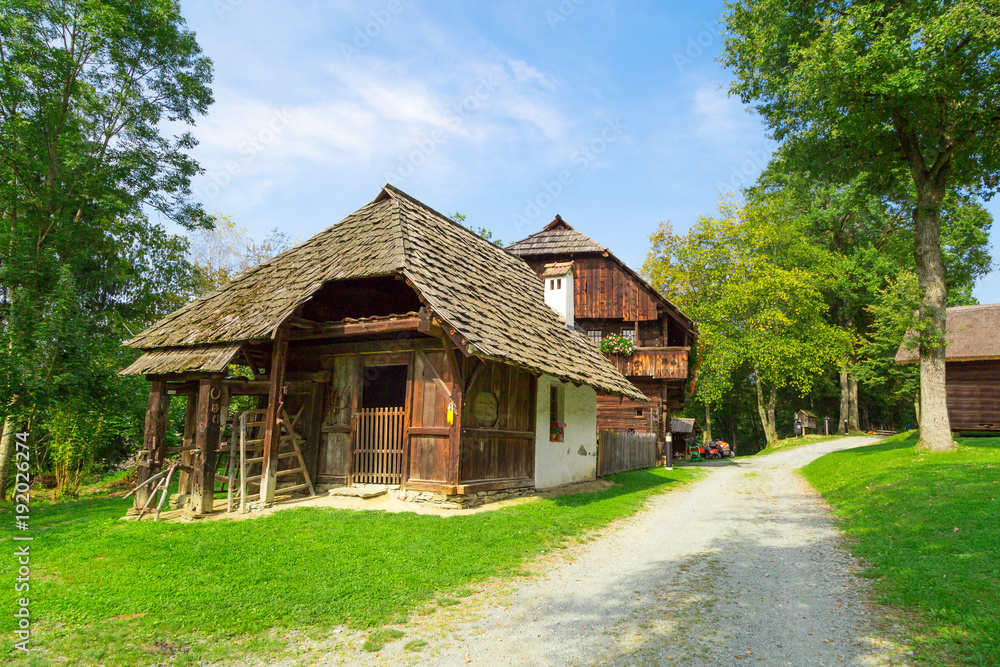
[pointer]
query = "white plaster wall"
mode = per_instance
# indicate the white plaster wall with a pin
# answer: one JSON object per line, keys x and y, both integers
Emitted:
{"x": 561, "y": 299}
{"x": 575, "y": 459}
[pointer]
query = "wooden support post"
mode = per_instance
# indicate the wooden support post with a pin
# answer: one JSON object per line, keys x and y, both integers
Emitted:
{"x": 207, "y": 433}
{"x": 187, "y": 456}
{"x": 154, "y": 439}
{"x": 457, "y": 381}
{"x": 275, "y": 401}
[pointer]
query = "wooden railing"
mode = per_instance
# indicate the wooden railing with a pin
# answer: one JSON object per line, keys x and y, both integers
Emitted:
{"x": 669, "y": 363}
{"x": 378, "y": 446}
{"x": 621, "y": 452}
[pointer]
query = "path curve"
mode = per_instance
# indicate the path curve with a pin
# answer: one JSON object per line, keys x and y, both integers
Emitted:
{"x": 745, "y": 564}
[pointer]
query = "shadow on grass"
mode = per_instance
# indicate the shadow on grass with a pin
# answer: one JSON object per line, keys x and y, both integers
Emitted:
{"x": 626, "y": 483}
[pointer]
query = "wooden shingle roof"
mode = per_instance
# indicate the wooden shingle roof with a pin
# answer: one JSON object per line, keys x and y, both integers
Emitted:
{"x": 557, "y": 238}
{"x": 973, "y": 334}
{"x": 492, "y": 299}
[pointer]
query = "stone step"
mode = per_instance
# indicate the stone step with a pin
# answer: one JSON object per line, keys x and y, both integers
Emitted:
{"x": 359, "y": 491}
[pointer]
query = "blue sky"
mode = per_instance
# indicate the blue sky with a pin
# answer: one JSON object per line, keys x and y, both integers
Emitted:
{"x": 613, "y": 115}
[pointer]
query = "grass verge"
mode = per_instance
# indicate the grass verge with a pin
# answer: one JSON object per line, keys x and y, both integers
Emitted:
{"x": 104, "y": 591}
{"x": 927, "y": 523}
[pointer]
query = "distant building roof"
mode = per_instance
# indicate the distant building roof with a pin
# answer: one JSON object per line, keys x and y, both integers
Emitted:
{"x": 553, "y": 269}
{"x": 973, "y": 334}
{"x": 558, "y": 238}
{"x": 682, "y": 425}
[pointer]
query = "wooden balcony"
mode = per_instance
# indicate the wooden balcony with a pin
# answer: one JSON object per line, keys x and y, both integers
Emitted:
{"x": 659, "y": 363}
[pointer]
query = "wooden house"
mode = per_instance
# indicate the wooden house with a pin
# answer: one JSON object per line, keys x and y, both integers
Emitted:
{"x": 972, "y": 367}
{"x": 601, "y": 295}
{"x": 806, "y": 421}
{"x": 395, "y": 347}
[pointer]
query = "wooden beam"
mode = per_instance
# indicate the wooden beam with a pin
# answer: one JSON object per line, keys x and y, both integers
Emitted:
{"x": 187, "y": 444}
{"x": 454, "y": 471}
{"x": 345, "y": 329}
{"x": 154, "y": 439}
{"x": 442, "y": 385}
{"x": 275, "y": 400}
{"x": 371, "y": 347}
{"x": 207, "y": 433}
{"x": 475, "y": 374}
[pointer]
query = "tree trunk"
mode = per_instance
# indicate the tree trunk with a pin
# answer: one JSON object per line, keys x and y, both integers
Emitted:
{"x": 845, "y": 400}
{"x": 6, "y": 453}
{"x": 916, "y": 407}
{"x": 854, "y": 423}
{"x": 706, "y": 434}
{"x": 770, "y": 413}
{"x": 935, "y": 429}
{"x": 766, "y": 412}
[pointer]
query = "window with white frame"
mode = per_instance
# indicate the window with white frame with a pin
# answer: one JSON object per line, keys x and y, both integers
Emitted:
{"x": 594, "y": 336}
{"x": 629, "y": 333}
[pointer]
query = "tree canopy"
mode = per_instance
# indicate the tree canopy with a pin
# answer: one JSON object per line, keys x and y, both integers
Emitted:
{"x": 891, "y": 89}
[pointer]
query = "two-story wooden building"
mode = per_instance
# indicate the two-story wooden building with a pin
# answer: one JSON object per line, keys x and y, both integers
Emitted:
{"x": 598, "y": 292}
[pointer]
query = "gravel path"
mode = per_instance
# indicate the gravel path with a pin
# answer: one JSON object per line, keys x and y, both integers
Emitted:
{"x": 743, "y": 565}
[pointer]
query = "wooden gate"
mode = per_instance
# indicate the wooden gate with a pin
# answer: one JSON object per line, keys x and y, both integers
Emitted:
{"x": 378, "y": 446}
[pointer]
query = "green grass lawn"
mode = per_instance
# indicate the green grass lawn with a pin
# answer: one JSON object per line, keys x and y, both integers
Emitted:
{"x": 105, "y": 591}
{"x": 929, "y": 526}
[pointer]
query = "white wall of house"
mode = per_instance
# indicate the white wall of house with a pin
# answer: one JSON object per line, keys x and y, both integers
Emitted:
{"x": 575, "y": 458}
{"x": 559, "y": 294}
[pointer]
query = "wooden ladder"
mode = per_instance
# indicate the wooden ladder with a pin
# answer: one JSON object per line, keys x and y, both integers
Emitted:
{"x": 250, "y": 457}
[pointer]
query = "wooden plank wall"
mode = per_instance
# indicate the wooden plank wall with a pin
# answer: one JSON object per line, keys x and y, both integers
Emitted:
{"x": 604, "y": 289}
{"x": 621, "y": 452}
{"x": 429, "y": 429}
{"x": 616, "y": 414}
{"x": 505, "y": 450}
{"x": 973, "y": 394}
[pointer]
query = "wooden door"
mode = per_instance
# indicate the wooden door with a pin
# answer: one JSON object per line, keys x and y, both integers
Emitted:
{"x": 339, "y": 406}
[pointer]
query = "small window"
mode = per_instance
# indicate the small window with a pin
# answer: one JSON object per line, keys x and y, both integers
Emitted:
{"x": 558, "y": 283}
{"x": 594, "y": 335}
{"x": 638, "y": 412}
{"x": 631, "y": 430}
{"x": 630, "y": 334}
{"x": 557, "y": 427}
{"x": 552, "y": 284}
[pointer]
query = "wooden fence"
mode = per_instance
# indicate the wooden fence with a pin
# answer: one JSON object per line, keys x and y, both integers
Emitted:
{"x": 620, "y": 452}
{"x": 378, "y": 449}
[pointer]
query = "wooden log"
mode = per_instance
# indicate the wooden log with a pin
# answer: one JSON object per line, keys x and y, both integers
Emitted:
{"x": 188, "y": 446}
{"x": 275, "y": 400}
{"x": 455, "y": 439}
{"x": 154, "y": 438}
{"x": 208, "y": 430}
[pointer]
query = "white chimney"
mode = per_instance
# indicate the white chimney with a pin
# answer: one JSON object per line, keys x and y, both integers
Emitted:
{"x": 558, "y": 278}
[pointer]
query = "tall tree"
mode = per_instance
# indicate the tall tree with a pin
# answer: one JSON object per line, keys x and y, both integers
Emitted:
{"x": 88, "y": 90}
{"x": 851, "y": 85}
{"x": 756, "y": 287}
